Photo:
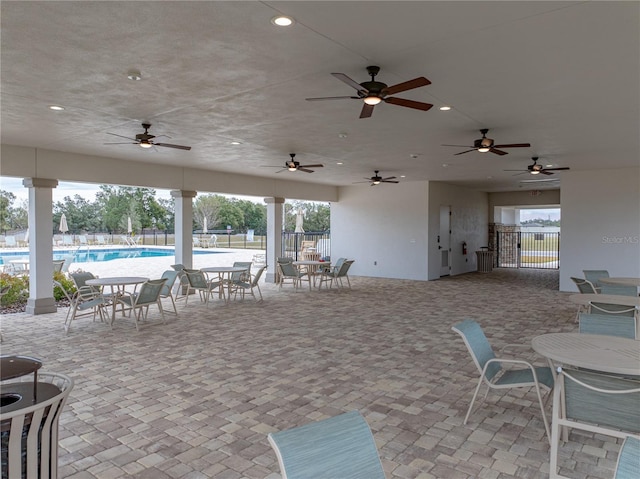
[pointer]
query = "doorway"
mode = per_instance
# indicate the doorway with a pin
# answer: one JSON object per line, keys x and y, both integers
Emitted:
{"x": 444, "y": 240}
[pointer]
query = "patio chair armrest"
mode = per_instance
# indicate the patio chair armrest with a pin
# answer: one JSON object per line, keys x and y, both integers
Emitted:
{"x": 503, "y": 361}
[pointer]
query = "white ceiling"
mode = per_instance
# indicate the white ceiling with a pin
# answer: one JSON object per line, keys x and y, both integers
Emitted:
{"x": 563, "y": 76}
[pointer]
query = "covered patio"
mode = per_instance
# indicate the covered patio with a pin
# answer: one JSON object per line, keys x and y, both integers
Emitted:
{"x": 197, "y": 396}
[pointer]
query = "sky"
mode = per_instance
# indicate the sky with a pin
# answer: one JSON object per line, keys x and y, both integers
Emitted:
{"x": 85, "y": 190}
{"x": 88, "y": 191}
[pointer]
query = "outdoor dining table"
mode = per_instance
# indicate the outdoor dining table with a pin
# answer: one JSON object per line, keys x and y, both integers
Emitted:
{"x": 222, "y": 271}
{"x": 608, "y": 354}
{"x": 311, "y": 267}
{"x": 621, "y": 281}
{"x": 118, "y": 286}
{"x": 586, "y": 299}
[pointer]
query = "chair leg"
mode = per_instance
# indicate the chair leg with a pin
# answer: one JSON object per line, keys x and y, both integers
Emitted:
{"x": 475, "y": 394}
{"x": 544, "y": 415}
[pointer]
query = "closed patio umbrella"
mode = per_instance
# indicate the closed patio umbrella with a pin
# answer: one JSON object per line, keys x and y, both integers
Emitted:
{"x": 129, "y": 227}
{"x": 63, "y": 224}
{"x": 299, "y": 221}
{"x": 204, "y": 225}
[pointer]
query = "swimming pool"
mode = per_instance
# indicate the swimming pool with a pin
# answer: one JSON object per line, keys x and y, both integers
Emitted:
{"x": 99, "y": 255}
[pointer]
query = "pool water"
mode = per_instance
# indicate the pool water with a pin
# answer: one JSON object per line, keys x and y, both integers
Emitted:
{"x": 99, "y": 255}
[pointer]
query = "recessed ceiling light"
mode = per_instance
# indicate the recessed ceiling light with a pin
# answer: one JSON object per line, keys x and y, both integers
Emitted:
{"x": 282, "y": 21}
{"x": 445, "y": 108}
{"x": 413, "y": 155}
{"x": 403, "y": 176}
{"x": 56, "y": 107}
{"x": 445, "y": 165}
{"x": 339, "y": 163}
{"x": 342, "y": 135}
{"x": 134, "y": 75}
{"x": 548, "y": 166}
{"x": 236, "y": 143}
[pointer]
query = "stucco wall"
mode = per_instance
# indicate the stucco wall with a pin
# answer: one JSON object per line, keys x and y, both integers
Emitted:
{"x": 385, "y": 224}
{"x": 600, "y": 223}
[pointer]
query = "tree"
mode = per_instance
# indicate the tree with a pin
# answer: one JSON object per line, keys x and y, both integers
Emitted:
{"x": 255, "y": 216}
{"x": 81, "y": 214}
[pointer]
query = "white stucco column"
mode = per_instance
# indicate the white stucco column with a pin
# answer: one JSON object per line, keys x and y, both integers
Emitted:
{"x": 275, "y": 213}
{"x": 40, "y": 245}
{"x": 184, "y": 226}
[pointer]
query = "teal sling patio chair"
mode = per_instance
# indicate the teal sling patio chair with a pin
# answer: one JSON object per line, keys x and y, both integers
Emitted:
{"x": 249, "y": 285}
{"x": 338, "y": 447}
{"x": 612, "y": 309}
{"x": 621, "y": 289}
{"x": 608, "y": 325}
{"x": 147, "y": 295}
{"x": 594, "y": 276}
{"x": 584, "y": 286}
{"x": 198, "y": 282}
{"x": 595, "y": 402}
{"x": 628, "y": 463}
{"x": 87, "y": 300}
{"x": 338, "y": 273}
{"x": 242, "y": 276}
{"x": 288, "y": 272}
{"x": 492, "y": 373}
{"x": 167, "y": 289}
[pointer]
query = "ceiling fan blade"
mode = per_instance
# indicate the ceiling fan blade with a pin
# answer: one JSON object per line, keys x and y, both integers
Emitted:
{"x": 460, "y": 146}
{"x": 513, "y": 145}
{"x": 333, "y": 98}
{"x": 121, "y": 143}
{"x": 301, "y": 168}
{"x": 498, "y": 152}
{"x": 557, "y": 169}
{"x": 463, "y": 152}
{"x": 356, "y": 182}
{"x": 542, "y": 180}
{"x": 388, "y": 181}
{"x": 404, "y": 86}
{"x": 311, "y": 166}
{"x": 526, "y": 171}
{"x": 367, "y": 111}
{"x": 121, "y": 136}
{"x": 283, "y": 169}
{"x": 418, "y": 105}
{"x": 388, "y": 178}
{"x": 350, "y": 82}
{"x": 169, "y": 145}
{"x": 546, "y": 172}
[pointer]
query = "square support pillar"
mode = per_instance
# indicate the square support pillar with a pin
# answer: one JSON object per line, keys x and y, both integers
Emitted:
{"x": 184, "y": 226}
{"x": 275, "y": 214}
{"x": 41, "y": 298}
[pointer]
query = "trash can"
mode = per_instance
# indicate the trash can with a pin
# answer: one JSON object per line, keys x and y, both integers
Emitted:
{"x": 485, "y": 260}
{"x": 29, "y": 415}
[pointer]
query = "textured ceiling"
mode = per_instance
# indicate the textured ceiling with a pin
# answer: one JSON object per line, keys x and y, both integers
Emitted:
{"x": 563, "y": 76}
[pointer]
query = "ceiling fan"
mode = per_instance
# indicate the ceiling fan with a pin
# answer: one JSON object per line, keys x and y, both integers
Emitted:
{"x": 377, "y": 179}
{"x": 373, "y": 92}
{"x": 293, "y": 165}
{"x": 145, "y": 140}
{"x": 536, "y": 169}
{"x": 484, "y": 144}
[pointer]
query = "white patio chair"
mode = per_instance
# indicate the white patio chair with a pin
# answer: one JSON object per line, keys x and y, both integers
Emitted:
{"x": 100, "y": 240}
{"x": 492, "y": 373}
{"x": 338, "y": 447}
{"x": 10, "y": 242}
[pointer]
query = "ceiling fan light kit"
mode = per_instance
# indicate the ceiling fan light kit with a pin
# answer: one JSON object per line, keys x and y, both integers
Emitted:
{"x": 485, "y": 145}
{"x": 374, "y": 92}
{"x": 145, "y": 140}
